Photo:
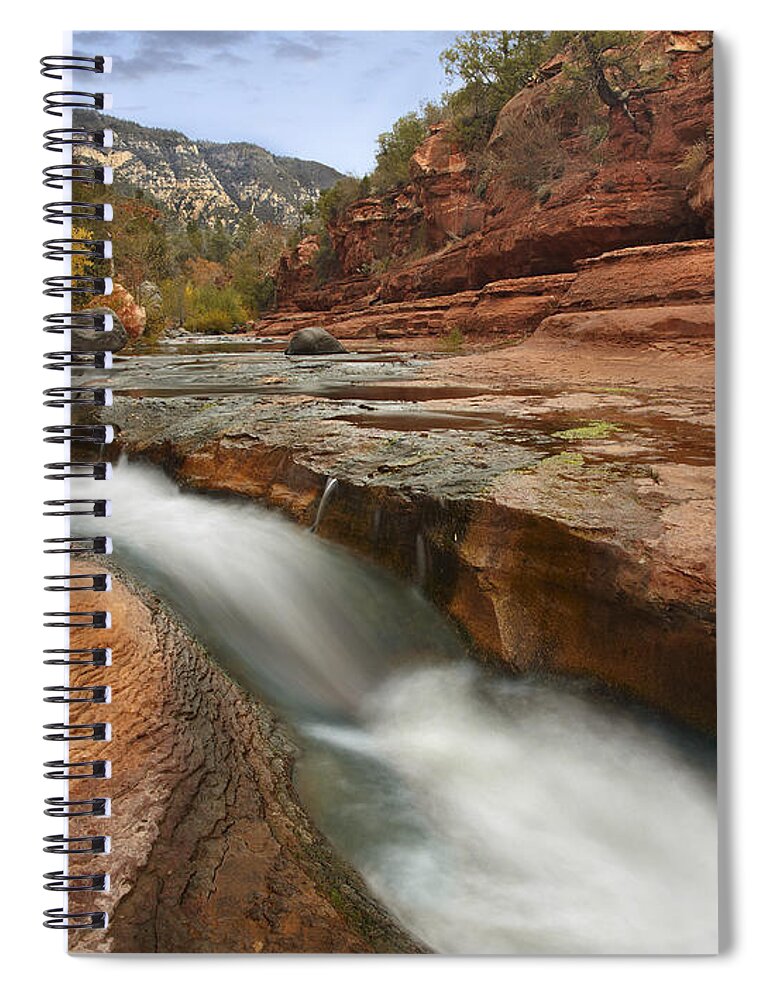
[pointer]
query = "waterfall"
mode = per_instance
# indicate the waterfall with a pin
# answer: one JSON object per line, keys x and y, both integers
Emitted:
{"x": 331, "y": 486}
{"x": 290, "y": 615}
{"x": 420, "y": 559}
{"x": 489, "y": 814}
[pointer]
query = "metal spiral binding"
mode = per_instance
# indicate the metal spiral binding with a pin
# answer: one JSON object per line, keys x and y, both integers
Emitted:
{"x": 98, "y": 471}
{"x": 54, "y": 65}
{"x": 56, "y": 139}
{"x": 59, "y": 101}
{"x": 83, "y": 211}
{"x": 90, "y": 249}
{"x": 84, "y": 173}
{"x": 59, "y": 361}
{"x": 90, "y": 323}
{"x": 89, "y": 320}
{"x": 99, "y": 545}
{"x": 68, "y": 284}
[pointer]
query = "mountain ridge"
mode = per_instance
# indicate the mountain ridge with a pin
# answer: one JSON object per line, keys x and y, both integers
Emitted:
{"x": 204, "y": 181}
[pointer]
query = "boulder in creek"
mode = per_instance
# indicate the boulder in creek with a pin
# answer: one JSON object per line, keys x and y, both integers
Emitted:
{"x": 314, "y": 340}
{"x": 101, "y": 340}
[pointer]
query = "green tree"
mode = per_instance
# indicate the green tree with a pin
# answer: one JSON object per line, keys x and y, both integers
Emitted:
{"x": 495, "y": 64}
{"x": 604, "y": 63}
{"x": 211, "y": 309}
{"x": 492, "y": 66}
{"x": 332, "y": 202}
{"x": 247, "y": 226}
{"x": 219, "y": 243}
{"x": 395, "y": 150}
{"x": 140, "y": 244}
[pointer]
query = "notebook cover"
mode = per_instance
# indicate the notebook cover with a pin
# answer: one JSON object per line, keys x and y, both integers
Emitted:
{"x": 413, "y": 569}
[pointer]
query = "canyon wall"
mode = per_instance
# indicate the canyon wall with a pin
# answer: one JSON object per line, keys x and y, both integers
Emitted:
{"x": 462, "y": 222}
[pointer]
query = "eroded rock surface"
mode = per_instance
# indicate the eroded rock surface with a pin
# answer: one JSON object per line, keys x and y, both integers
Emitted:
{"x": 212, "y": 850}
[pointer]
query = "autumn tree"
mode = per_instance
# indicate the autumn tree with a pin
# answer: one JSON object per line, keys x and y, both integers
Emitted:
{"x": 200, "y": 271}
{"x": 251, "y": 264}
{"x": 140, "y": 242}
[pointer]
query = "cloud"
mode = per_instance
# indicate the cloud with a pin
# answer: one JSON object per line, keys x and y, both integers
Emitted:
{"x": 140, "y": 54}
{"x": 306, "y": 46}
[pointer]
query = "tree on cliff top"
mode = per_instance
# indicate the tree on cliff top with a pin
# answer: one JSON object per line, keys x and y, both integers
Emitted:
{"x": 496, "y": 64}
{"x": 603, "y": 63}
{"x": 493, "y": 66}
{"x": 395, "y": 150}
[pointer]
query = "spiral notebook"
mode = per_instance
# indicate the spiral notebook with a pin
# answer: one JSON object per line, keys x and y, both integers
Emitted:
{"x": 384, "y": 469}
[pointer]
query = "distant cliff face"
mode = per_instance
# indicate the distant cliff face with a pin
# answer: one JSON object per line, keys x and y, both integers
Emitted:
{"x": 208, "y": 181}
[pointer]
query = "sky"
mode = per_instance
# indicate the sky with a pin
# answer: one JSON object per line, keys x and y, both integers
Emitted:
{"x": 319, "y": 95}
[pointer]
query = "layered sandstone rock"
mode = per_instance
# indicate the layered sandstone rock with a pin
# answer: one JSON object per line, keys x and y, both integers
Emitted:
{"x": 677, "y": 278}
{"x": 445, "y": 187}
{"x": 504, "y": 310}
{"x": 212, "y": 851}
{"x": 568, "y": 528}
{"x": 295, "y": 268}
{"x": 635, "y": 193}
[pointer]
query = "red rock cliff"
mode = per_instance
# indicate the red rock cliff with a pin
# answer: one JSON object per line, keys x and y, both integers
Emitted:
{"x": 628, "y": 180}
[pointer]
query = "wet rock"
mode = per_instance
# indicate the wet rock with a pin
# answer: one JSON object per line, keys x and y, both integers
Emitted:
{"x": 108, "y": 340}
{"x": 566, "y": 513}
{"x": 314, "y": 340}
{"x": 215, "y": 851}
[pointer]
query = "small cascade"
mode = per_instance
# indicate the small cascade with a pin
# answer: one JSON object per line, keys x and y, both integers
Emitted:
{"x": 331, "y": 486}
{"x": 420, "y": 560}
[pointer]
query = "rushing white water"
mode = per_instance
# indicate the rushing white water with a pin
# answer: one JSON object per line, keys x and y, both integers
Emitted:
{"x": 489, "y": 815}
{"x": 291, "y": 616}
{"x": 525, "y": 819}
